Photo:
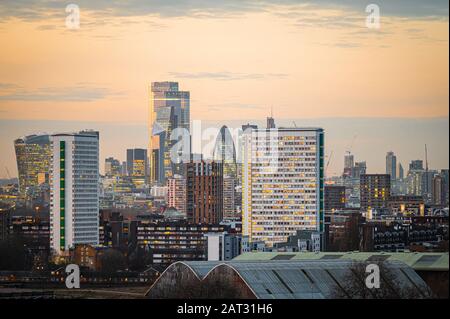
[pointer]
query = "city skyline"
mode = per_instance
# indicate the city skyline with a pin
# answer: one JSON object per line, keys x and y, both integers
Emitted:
{"x": 232, "y": 72}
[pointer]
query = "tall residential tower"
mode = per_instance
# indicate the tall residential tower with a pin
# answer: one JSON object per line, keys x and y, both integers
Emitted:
{"x": 74, "y": 195}
{"x": 283, "y": 183}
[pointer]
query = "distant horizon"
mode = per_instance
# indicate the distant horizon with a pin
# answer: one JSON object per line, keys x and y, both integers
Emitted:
{"x": 321, "y": 63}
{"x": 339, "y": 134}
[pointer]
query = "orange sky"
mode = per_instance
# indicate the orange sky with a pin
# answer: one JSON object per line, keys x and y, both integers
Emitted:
{"x": 238, "y": 61}
{"x": 242, "y": 64}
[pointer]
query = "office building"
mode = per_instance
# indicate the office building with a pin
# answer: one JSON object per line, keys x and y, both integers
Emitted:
{"x": 5, "y": 215}
{"x": 229, "y": 197}
{"x": 375, "y": 190}
{"x": 407, "y": 204}
{"x": 204, "y": 192}
{"x": 416, "y": 165}
{"x": 438, "y": 191}
{"x": 349, "y": 161}
{"x": 176, "y": 196}
{"x": 270, "y": 123}
{"x": 334, "y": 197}
{"x": 169, "y": 242}
{"x": 169, "y": 110}
{"x": 282, "y": 190}
{"x": 359, "y": 169}
{"x": 223, "y": 246}
{"x": 112, "y": 167}
{"x": 401, "y": 172}
{"x": 225, "y": 152}
{"x": 74, "y": 176}
{"x": 391, "y": 165}
{"x": 33, "y": 155}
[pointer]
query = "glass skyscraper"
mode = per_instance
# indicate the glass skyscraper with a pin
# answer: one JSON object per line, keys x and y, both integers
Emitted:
{"x": 33, "y": 159}
{"x": 169, "y": 109}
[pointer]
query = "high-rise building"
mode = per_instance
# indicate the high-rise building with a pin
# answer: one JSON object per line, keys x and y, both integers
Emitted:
{"x": 359, "y": 169}
{"x": 5, "y": 217}
{"x": 229, "y": 197}
{"x": 416, "y": 165}
{"x": 33, "y": 161}
{"x": 74, "y": 178}
{"x": 225, "y": 152}
{"x": 334, "y": 197}
{"x": 137, "y": 166}
{"x": 438, "y": 191}
{"x": 112, "y": 167}
{"x": 176, "y": 195}
{"x": 270, "y": 123}
{"x": 401, "y": 172}
{"x": 204, "y": 182}
{"x": 169, "y": 110}
{"x": 282, "y": 190}
{"x": 445, "y": 179}
{"x": 349, "y": 161}
{"x": 391, "y": 165}
{"x": 375, "y": 190}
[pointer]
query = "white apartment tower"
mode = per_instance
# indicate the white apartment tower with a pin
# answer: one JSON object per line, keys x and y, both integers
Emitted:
{"x": 282, "y": 188}
{"x": 74, "y": 194}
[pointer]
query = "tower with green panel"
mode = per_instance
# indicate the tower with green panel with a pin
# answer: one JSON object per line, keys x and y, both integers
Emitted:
{"x": 321, "y": 180}
{"x": 62, "y": 194}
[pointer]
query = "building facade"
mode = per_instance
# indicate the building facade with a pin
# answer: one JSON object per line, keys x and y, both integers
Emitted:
{"x": 391, "y": 165}
{"x": 282, "y": 190}
{"x": 169, "y": 242}
{"x": 176, "y": 194}
{"x": 33, "y": 155}
{"x": 169, "y": 110}
{"x": 334, "y": 197}
{"x": 74, "y": 190}
{"x": 204, "y": 192}
{"x": 375, "y": 190}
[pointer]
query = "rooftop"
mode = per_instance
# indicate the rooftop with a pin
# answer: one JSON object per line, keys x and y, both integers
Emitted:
{"x": 417, "y": 261}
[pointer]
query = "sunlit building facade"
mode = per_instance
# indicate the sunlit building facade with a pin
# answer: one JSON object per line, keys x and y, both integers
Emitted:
{"x": 33, "y": 155}
{"x": 169, "y": 110}
{"x": 176, "y": 195}
{"x": 74, "y": 190}
{"x": 283, "y": 183}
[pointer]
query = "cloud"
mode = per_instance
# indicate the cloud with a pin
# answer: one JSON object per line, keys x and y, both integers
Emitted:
{"x": 38, "y": 9}
{"x": 226, "y": 76}
{"x": 233, "y": 105}
{"x": 81, "y": 92}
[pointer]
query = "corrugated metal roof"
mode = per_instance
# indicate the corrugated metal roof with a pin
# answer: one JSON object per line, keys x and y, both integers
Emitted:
{"x": 304, "y": 279}
{"x": 418, "y": 261}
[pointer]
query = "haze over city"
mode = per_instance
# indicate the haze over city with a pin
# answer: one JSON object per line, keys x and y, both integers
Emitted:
{"x": 315, "y": 64}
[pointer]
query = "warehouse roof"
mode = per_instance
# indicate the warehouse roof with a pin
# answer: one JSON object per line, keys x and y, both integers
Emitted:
{"x": 417, "y": 261}
{"x": 281, "y": 279}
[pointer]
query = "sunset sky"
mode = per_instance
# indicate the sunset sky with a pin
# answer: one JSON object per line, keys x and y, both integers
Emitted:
{"x": 313, "y": 62}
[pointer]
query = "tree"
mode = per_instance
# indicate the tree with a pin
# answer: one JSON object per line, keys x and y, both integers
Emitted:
{"x": 13, "y": 254}
{"x": 112, "y": 261}
{"x": 354, "y": 285}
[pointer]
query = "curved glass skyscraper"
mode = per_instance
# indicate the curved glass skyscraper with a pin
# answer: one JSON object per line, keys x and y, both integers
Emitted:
{"x": 33, "y": 156}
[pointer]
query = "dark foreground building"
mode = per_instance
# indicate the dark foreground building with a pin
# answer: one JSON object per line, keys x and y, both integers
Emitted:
{"x": 273, "y": 279}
